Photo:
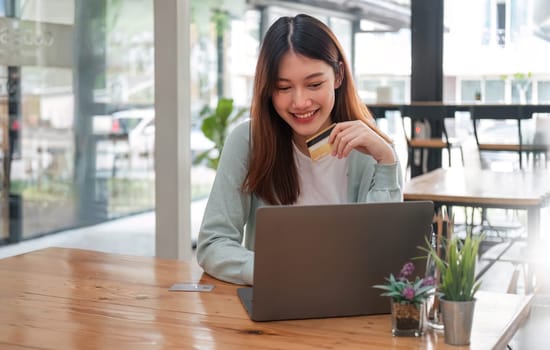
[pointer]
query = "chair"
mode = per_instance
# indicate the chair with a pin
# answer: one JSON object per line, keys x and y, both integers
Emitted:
{"x": 502, "y": 128}
{"x": 503, "y": 131}
{"x": 417, "y": 141}
{"x": 541, "y": 135}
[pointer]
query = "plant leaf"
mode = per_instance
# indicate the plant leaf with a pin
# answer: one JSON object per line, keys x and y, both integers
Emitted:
{"x": 199, "y": 158}
{"x": 223, "y": 110}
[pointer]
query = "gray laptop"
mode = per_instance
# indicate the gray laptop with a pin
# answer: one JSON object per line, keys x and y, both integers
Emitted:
{"x": 322, "y": 261}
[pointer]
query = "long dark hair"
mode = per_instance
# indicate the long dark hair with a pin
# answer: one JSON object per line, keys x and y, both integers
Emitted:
{"x": 272, "y": 173}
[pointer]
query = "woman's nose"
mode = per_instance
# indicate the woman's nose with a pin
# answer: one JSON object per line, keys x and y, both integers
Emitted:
{"x": 300, "y": 99}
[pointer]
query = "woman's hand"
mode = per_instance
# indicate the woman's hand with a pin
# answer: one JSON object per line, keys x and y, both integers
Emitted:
{"x": 358, "y": 135}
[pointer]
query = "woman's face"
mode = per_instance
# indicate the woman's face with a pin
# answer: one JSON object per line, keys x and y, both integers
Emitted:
{"x": 304, "y": 94}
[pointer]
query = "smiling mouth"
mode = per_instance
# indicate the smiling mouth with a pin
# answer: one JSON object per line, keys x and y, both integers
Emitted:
{"x": 304, "y": 115}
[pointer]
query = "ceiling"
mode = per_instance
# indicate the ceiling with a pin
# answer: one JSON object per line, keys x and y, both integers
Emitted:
{"x": 392, "y": 15}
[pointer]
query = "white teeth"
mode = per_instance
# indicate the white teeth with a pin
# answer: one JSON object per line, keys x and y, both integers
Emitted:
{"x": 303, "y": 116}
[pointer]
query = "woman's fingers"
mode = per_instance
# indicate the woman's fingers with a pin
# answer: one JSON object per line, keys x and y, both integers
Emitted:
{"x": 357, "y": 135}
{"x": 347, "y": 139}
{"x": 349, "y": 135}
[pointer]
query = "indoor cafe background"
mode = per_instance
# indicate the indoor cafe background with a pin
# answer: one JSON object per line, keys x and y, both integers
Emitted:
{"x": 77, "y": 89}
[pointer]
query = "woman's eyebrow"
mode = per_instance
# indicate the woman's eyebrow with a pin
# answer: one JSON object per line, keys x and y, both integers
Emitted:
{"x": 311, "y": 76}
{"x": 315, "y": 75}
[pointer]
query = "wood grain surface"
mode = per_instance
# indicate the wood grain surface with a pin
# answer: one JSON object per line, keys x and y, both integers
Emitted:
{"x": 474, "y": 186}
{"x": 59, "y": 298}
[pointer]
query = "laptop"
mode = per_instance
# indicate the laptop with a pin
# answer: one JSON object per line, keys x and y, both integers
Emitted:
{"x": 322, "y": 260}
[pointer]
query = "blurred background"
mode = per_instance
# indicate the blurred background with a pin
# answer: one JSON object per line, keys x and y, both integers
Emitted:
{"x": 77, "y": 120}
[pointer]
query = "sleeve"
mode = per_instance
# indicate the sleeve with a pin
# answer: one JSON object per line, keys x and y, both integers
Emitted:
{"x": 373, "y": 182}
{"x": 219, "y": 248}
{"x": 386, "y": 185}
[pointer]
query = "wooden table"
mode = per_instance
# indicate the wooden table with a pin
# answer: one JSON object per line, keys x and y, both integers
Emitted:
{"x": 473, "y": 187}
{"x": 502, "y": 110}
{"x": 435, "y": 111}
{"x": 60, "y": 298}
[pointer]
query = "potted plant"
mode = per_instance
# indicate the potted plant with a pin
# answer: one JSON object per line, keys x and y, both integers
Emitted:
{"x": 457, "y": 286}
{"x": 215, "y": 126}
{"x": 408, "y": 300}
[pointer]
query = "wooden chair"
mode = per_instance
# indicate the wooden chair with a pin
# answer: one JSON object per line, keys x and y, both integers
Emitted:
{"x": 498, "y": 137}
{"x": 415, "y": 139}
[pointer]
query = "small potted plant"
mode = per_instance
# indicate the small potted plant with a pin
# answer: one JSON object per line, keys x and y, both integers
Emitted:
{"x": 408, "y": 300}
{"x": 457, "y": 286}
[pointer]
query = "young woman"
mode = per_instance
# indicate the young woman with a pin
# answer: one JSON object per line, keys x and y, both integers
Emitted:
{"x": 303, "y": 84}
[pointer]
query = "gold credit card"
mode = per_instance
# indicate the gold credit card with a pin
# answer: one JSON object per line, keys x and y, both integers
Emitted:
{"x": 318, "y": 145}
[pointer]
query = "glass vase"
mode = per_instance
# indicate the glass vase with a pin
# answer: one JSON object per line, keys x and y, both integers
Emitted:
{"x": 434, "y": 318}
{"x": 407, "y": 319}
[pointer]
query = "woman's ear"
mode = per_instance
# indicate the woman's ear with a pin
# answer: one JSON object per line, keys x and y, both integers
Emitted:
{"x": 339, "y": 76}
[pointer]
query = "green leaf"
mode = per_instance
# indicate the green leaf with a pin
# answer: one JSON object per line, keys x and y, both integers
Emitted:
{"x": 223, "y": 110}
{"x": 199, "y": 158}
{"x": 209, "y": 128}
{"x": 205, "y": 110}
{"x": 237, "y": 115}
{"x": 458, "y": 281}
{"x": 384, "y": 287}
{"x": 215, "y": 126}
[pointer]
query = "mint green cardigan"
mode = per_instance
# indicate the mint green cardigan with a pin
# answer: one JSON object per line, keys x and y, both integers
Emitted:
{"x": 230, "y": 215}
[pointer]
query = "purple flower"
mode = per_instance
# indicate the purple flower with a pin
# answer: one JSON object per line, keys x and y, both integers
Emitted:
{"x": 408, "y": 293}
{"x": 405, "y": 290}
{"x": 406, "y": 270}
{"x": 428, "y": 281}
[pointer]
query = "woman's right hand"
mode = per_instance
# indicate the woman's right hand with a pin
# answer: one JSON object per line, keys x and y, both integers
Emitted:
{"x": 357, "y": 135}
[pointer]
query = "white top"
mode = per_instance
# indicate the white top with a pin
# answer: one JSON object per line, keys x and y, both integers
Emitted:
{"x": 318, "y": 179}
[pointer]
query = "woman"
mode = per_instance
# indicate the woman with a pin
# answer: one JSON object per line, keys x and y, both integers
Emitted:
{"x": 303, "y": 84}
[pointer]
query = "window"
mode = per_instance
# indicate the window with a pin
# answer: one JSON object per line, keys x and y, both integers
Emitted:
{"x": 470, "y": 90}
{"x": 543, "y": 92}
{"x": 494, "y": 91}
{"x": 501, "y": 24}
{"x": 72, "y": 162}
{"x": 492, "y": 42}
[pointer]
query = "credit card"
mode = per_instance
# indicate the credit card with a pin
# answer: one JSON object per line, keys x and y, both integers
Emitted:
{"x": 318, "y": 145}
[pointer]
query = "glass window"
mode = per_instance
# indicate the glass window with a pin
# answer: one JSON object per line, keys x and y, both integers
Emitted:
{"x": 543, "y": 92}
{"x": 521, "y": 91}
{"x": 470, "y": 90}
{"x": 80, "y": 94}
{"x": 494, "y": 91}
{"x": 243, "y": 49}
{"x": 383, "y": 57}
{"x": 495, "y": 38}
{"x": 342, "y": 28}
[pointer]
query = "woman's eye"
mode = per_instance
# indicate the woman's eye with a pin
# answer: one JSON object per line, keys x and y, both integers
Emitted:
{"x": 283, "y": 88}
{"x": 316, "y": 85}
